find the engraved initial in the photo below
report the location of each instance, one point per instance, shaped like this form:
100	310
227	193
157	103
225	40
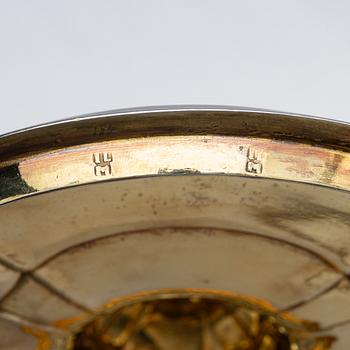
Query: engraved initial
102	162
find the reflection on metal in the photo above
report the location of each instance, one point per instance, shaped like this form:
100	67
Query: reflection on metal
196	323
186	208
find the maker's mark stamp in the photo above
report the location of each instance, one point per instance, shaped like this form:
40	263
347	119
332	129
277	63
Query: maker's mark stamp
254	163
103	163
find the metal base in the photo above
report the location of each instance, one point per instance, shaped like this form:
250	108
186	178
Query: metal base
100	213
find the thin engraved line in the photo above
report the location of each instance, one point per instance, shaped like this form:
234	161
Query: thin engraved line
187	227
342	276
336	325
314	297
46	284
10	200
20	320
12	289
10	265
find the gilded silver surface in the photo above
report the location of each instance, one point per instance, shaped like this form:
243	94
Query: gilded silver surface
185	215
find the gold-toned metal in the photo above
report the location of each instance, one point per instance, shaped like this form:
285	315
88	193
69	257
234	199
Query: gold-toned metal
196	323
185	215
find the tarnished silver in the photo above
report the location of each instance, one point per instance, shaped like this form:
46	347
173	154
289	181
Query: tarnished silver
241	213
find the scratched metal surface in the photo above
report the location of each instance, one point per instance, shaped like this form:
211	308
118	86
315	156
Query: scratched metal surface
251	191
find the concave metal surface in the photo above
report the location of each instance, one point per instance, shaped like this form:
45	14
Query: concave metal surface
105	211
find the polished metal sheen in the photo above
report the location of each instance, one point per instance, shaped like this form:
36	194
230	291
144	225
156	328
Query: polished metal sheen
202	228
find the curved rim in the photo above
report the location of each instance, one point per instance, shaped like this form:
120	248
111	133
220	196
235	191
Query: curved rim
171	108
176	120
